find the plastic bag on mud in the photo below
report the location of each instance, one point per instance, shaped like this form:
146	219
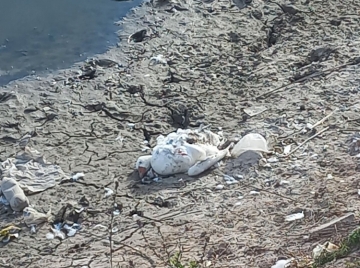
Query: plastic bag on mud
250	142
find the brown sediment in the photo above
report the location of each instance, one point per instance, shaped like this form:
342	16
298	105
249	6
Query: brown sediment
219	60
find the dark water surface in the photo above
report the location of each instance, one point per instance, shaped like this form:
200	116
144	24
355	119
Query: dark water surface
40	35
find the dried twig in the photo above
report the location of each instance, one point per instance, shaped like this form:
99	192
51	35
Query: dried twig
307	140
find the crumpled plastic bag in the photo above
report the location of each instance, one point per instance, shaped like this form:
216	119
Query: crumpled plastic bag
14	194
250	142
33	217
32	172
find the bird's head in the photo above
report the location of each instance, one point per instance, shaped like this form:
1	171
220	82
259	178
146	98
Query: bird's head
143	164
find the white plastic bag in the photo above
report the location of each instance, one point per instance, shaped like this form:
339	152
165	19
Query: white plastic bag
250	142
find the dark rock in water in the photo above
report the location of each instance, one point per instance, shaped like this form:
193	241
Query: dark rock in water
242	163
138	36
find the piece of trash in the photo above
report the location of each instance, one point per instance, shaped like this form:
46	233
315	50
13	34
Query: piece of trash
114	230
33	229
219	187
108	192
358	191
327	246
273	160
3	201
71	230
254	192
255	110
77	176
293	217
116	212
172	153
287	149
250	142
329	176
14	194
33	217
50	236
282	182
131	125
8	232
31	170
158	59
282	263
237	204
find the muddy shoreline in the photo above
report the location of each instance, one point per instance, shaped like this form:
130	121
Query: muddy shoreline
200	63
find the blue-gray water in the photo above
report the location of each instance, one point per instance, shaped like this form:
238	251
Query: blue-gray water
41	35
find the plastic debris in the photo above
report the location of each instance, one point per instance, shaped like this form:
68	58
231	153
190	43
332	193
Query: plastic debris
33	217
72	230
327	246
77	176
14	194
50	236
108	192
219	187
9	232
33	173
250	142
287	149
254	193
158	59
293	217
282	263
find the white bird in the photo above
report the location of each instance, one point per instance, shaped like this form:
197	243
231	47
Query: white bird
174	154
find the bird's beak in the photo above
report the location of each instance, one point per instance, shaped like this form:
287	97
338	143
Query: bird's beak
142	172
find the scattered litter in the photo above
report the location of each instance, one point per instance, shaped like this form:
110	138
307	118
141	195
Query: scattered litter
254	193
327	246
287	149
273	160
108	192
116	212
250	142
131	125
32	171
14	194
72	230
50	236
158	59
358	191
293	217
33	217
219	187
255	110
282	182
114	230
3	200
329	176
33	229
9	232
237	204
172	153
77	176
282	263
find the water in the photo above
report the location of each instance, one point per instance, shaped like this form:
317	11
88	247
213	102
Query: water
40	35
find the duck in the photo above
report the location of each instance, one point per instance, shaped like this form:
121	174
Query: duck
184	151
